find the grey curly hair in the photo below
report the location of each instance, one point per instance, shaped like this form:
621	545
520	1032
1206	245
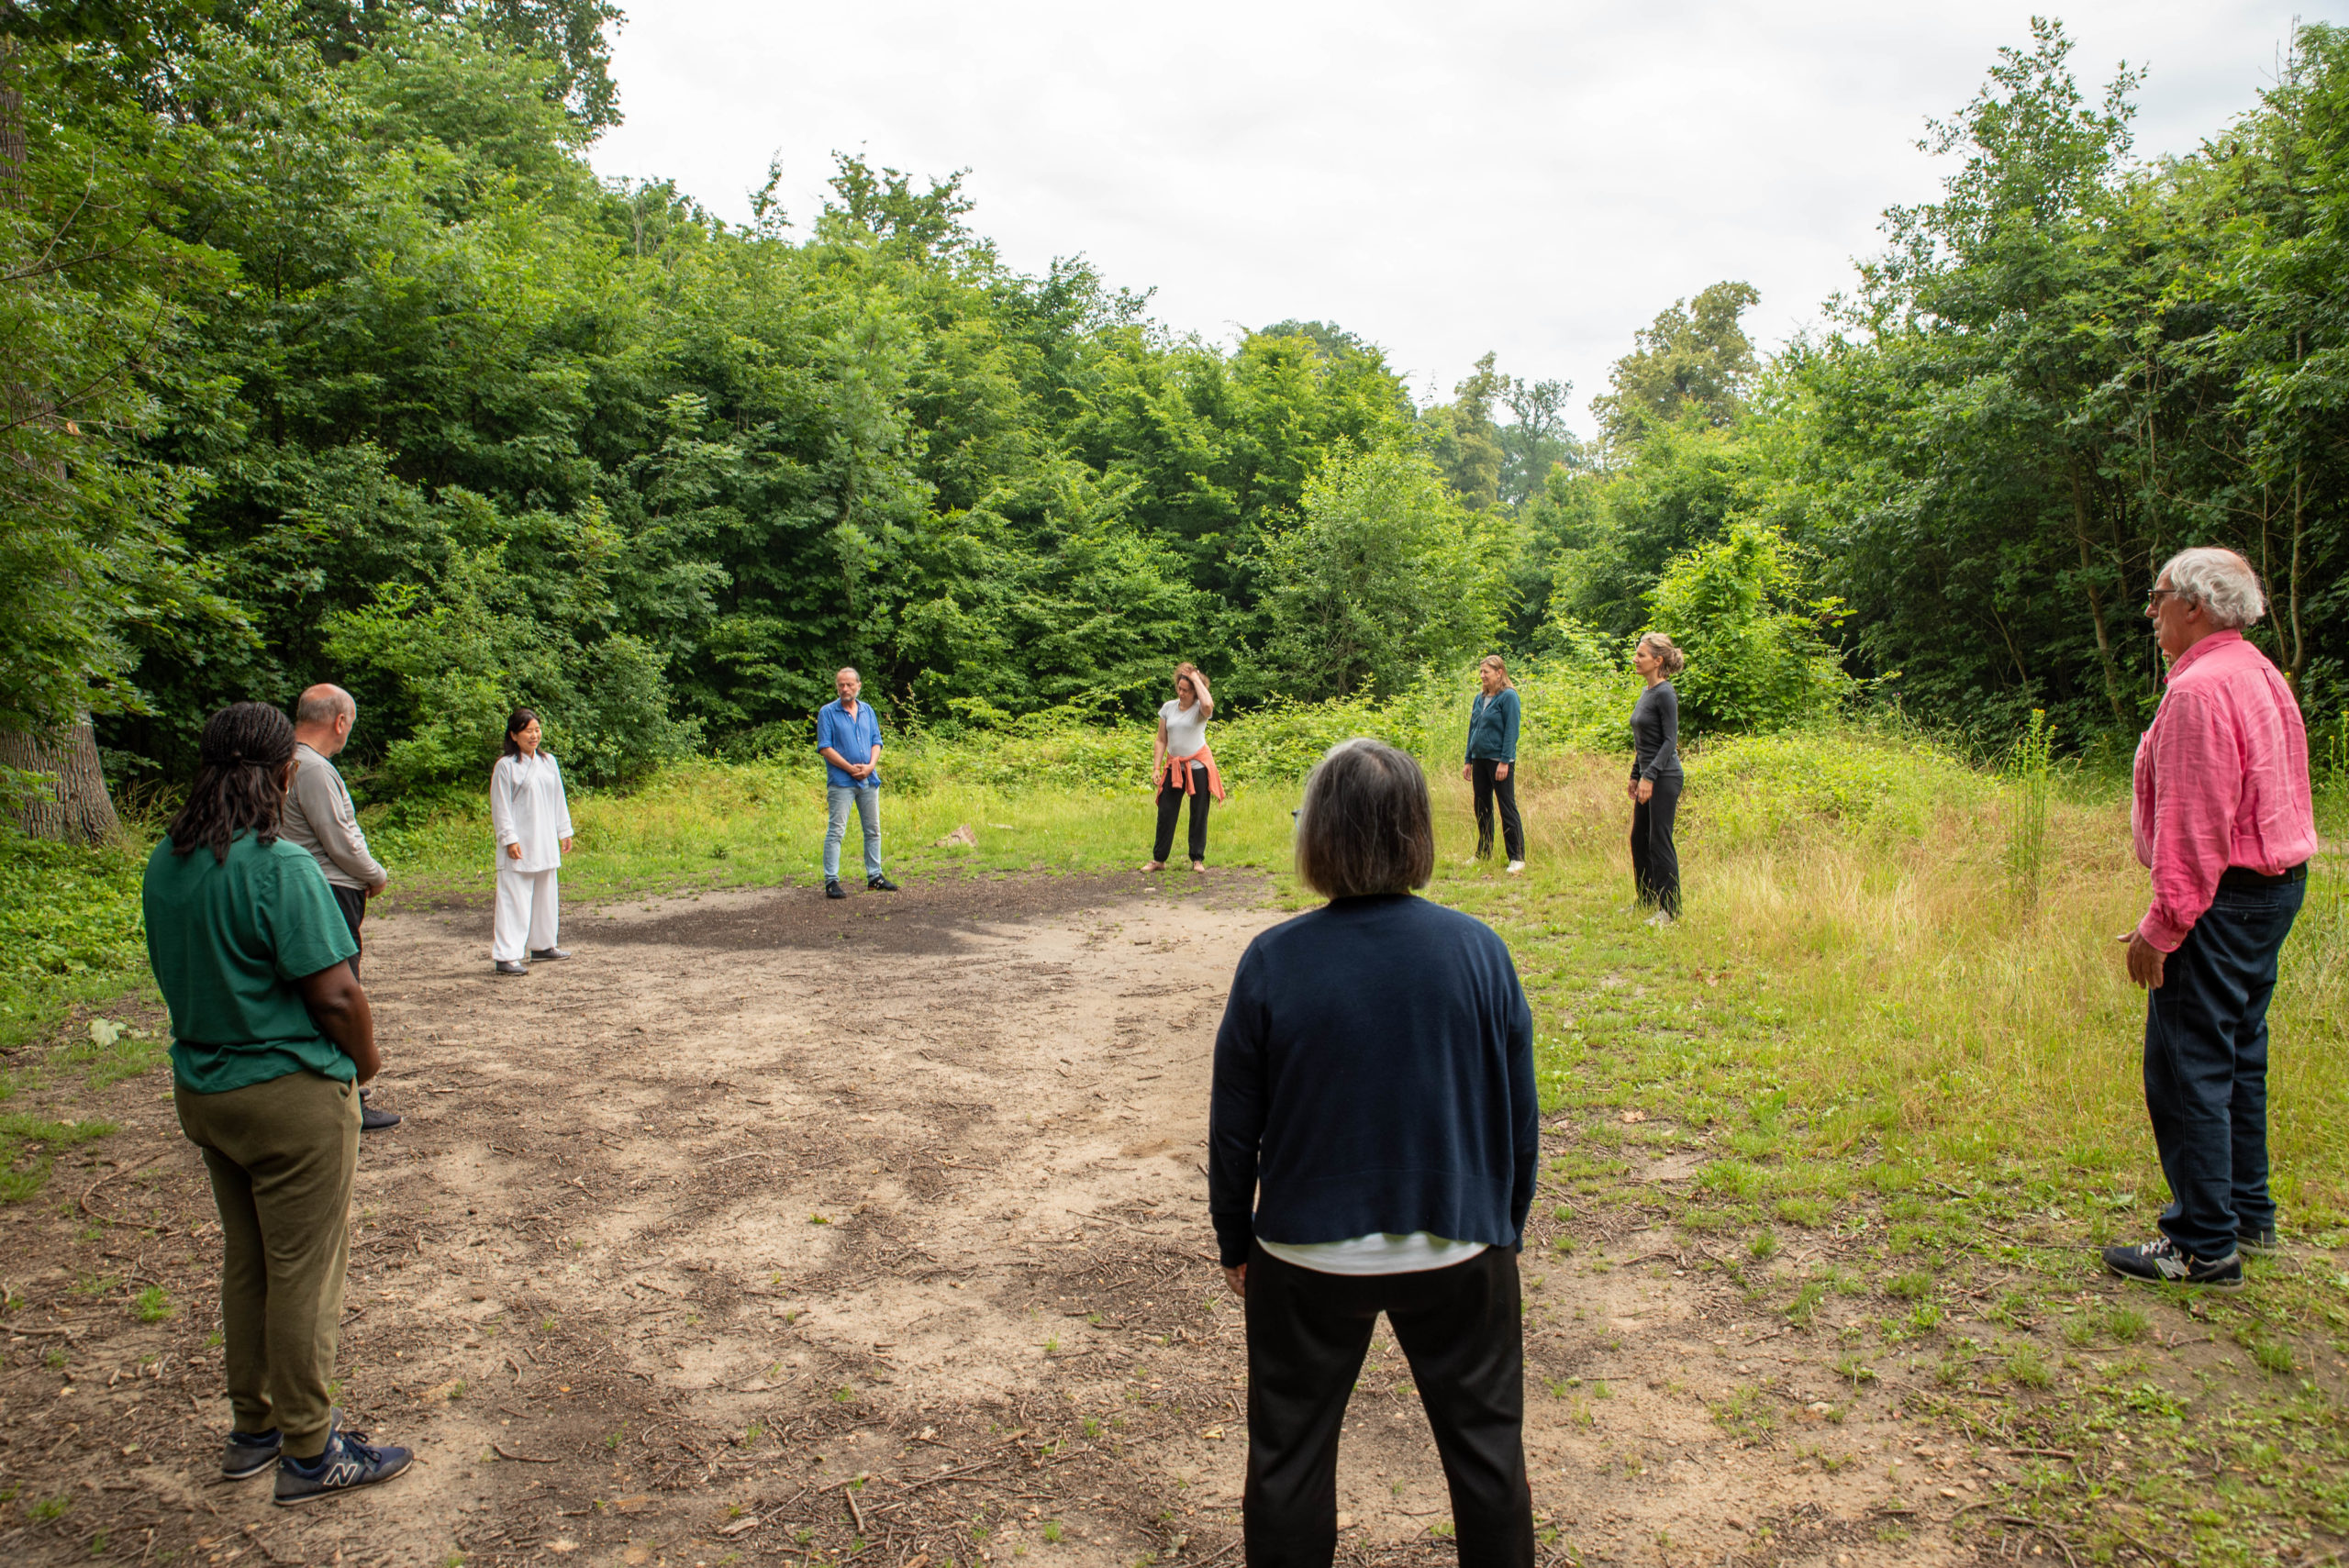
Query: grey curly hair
2219	581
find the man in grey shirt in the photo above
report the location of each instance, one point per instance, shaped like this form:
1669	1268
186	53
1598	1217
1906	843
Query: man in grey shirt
320	818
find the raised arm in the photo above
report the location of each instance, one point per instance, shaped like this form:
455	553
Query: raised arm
1207	697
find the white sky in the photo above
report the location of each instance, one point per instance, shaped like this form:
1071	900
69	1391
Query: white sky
1535	178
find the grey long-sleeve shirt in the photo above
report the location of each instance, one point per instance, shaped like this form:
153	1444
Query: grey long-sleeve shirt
320	818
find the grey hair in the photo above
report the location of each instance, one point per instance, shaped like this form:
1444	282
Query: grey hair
2219	581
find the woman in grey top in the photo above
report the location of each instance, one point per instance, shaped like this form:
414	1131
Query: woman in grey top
1655	778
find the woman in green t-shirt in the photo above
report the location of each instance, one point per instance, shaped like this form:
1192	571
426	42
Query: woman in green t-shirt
271	1034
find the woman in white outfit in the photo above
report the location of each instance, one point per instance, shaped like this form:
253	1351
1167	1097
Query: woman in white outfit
533	823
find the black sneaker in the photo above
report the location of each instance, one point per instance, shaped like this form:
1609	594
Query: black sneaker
508	966
349	1462
549	955
832	889
372	1120
880	885
247	1454
2263	1242
2158	1262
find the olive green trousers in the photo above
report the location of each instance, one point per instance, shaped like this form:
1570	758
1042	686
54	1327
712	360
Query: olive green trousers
282	1155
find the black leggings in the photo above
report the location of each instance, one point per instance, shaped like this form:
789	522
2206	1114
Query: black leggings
1170	807
1489	789
1656	865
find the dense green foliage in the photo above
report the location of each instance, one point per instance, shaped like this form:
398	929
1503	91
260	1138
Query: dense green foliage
330	359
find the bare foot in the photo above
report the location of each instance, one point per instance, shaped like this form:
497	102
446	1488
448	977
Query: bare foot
1154	866
1199	865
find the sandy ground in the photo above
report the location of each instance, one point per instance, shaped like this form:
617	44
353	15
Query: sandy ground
770	1229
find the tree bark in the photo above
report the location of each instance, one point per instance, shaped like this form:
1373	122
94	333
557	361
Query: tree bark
68	802
2096	600
68	799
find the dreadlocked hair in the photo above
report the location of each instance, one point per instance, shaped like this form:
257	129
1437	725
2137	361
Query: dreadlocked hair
239	780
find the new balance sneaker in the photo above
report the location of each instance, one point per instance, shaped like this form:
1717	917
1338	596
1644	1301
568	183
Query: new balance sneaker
349	1462
508	966
374	1121
2263	1242
832	889
549	955
880	885
2158	1262
249	1455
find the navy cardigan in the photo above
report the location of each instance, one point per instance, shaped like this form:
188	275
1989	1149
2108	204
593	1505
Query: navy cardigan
1374	1073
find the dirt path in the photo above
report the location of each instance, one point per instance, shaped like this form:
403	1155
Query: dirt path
758	1194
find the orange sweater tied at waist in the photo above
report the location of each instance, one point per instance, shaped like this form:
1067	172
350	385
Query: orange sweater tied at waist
1177	772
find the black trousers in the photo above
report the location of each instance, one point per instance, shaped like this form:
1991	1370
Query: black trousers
352	902
1489	789
1460	1328
1656	865
1170	807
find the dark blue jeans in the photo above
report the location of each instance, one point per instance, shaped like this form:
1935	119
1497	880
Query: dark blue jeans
2206	1067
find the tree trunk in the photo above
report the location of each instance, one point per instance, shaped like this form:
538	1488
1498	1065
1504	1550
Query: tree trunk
69	802
2096	600
68	799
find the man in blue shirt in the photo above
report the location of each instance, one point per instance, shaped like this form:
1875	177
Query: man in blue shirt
848	735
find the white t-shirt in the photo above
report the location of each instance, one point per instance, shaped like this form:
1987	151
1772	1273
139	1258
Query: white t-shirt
1187	728
1375	1253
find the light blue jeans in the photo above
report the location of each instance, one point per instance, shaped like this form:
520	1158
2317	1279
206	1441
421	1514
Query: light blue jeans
868	811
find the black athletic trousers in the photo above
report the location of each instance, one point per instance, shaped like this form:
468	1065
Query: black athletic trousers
1489	789
1170	807
1460	1328
1656	865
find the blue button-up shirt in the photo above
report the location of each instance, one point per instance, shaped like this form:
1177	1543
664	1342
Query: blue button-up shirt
854	736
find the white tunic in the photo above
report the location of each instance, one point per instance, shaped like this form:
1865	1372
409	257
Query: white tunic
526	807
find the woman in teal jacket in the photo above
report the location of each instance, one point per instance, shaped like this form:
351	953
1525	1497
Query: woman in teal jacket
1492	757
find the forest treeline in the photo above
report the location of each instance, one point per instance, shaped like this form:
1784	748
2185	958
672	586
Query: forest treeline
324	355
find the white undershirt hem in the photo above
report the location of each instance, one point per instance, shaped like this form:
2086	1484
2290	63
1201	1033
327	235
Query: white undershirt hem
1378	1253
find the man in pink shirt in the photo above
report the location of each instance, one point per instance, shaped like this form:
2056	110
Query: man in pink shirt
2223	818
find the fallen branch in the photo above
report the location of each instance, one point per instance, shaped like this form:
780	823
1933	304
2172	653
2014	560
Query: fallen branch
499	1450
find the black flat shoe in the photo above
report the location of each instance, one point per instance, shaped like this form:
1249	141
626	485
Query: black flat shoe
832	889
372	1120
548	955
507	966
880	885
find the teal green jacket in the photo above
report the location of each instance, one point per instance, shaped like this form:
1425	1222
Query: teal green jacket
1492	726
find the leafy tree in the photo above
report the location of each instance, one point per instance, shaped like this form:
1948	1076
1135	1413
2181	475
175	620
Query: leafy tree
1695	353
1386	574
1736	607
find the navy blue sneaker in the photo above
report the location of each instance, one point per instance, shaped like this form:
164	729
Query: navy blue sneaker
247	1454
2158	1262
2260	1242
349	1462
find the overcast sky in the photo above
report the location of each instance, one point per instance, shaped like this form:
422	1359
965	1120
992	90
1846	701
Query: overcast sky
1534	178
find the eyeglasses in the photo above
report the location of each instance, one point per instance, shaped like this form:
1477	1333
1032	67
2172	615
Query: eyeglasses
2154	599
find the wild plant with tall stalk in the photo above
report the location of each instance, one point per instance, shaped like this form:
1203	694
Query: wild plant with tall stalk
2029	769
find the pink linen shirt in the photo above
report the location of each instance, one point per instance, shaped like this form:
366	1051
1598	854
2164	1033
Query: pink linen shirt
2222	779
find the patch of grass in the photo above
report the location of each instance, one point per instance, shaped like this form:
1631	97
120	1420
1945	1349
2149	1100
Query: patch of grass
2126	1325
2027	1368
1809	1213
153	1304
1909	1286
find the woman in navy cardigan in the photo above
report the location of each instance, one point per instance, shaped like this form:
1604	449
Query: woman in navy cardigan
1372	1135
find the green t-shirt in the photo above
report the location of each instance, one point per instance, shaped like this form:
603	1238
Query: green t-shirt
227	939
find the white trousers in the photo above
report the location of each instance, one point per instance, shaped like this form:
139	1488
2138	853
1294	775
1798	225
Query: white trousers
527	918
